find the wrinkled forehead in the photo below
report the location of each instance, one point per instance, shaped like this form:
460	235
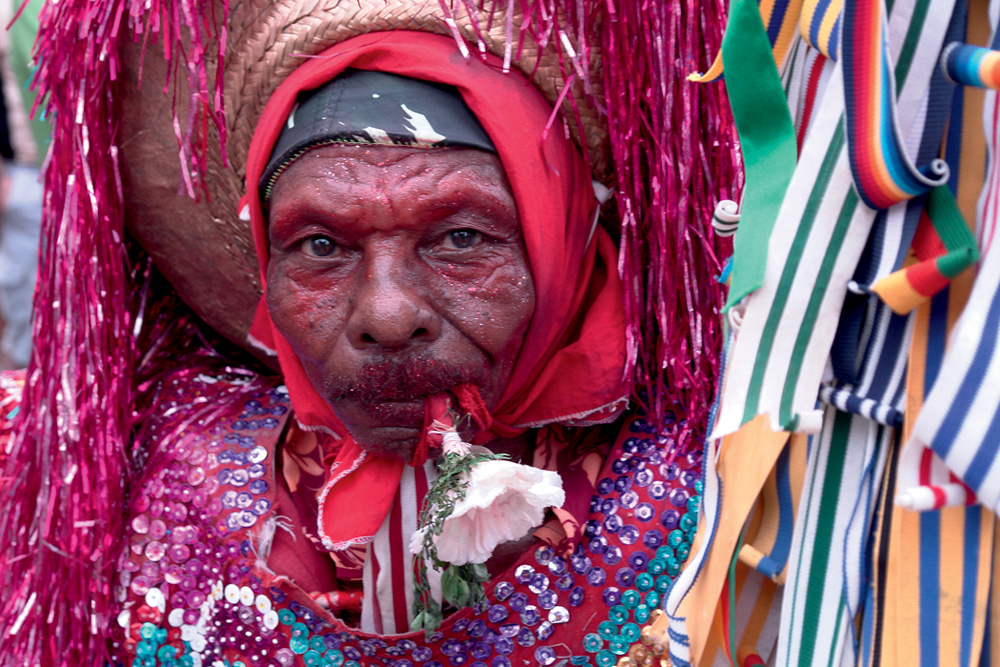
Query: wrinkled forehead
371	108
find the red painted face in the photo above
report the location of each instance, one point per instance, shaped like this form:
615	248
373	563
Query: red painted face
396	273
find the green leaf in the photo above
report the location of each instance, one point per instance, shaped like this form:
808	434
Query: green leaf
450	585
477	572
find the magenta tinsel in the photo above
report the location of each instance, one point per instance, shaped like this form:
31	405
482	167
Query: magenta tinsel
674	152
65	480
674	156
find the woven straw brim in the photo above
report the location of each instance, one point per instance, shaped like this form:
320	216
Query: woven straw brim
266	45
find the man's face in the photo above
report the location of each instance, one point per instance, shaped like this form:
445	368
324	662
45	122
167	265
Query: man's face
396	273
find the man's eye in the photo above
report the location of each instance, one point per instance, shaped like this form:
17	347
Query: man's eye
463	238
319	246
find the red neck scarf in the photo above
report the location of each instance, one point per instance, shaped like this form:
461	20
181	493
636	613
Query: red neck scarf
570	368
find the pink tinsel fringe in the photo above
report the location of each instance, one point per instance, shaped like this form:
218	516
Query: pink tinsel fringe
675	158
64	483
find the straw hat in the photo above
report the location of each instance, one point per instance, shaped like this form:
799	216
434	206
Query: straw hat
201	246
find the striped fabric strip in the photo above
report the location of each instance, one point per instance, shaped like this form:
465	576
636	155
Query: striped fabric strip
744	461
883	172
960	421
934	589
767	551
846	400
779	18
820	25
750	625
943	246
866	323
826	578
814	249
388	571
819	235
967	65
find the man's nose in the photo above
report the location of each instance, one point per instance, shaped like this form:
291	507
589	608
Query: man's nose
390	308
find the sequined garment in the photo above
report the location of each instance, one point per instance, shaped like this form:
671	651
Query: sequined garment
195	588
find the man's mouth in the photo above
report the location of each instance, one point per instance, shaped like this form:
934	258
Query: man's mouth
392	392
386	412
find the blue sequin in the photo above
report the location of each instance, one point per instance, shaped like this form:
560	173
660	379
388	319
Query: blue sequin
503	590
612	555
629	499
518	601
609	506
596	576
625	577
629	534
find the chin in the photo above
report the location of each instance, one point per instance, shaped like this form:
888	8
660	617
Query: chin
398	442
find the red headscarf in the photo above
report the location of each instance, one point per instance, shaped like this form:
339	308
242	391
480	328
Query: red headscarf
570	368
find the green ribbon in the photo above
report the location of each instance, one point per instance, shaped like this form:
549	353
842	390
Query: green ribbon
949	223
767	139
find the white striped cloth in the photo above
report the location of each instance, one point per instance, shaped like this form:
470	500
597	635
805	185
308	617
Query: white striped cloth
960	420
826	566
780	353
387	608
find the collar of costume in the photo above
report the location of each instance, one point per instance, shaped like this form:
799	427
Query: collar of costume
571	366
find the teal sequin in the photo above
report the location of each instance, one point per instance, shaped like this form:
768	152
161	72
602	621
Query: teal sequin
592	643
607	630
642	613
675	538
618	645
298	645
606	658
618	614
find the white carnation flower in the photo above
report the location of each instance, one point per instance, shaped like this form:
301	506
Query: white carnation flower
504	500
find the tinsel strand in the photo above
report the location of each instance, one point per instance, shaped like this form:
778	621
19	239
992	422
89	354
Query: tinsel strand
674	153
65	478
674	157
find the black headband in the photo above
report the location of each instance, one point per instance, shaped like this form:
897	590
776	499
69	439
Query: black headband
364	107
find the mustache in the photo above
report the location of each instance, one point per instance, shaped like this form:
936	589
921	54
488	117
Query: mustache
395	379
